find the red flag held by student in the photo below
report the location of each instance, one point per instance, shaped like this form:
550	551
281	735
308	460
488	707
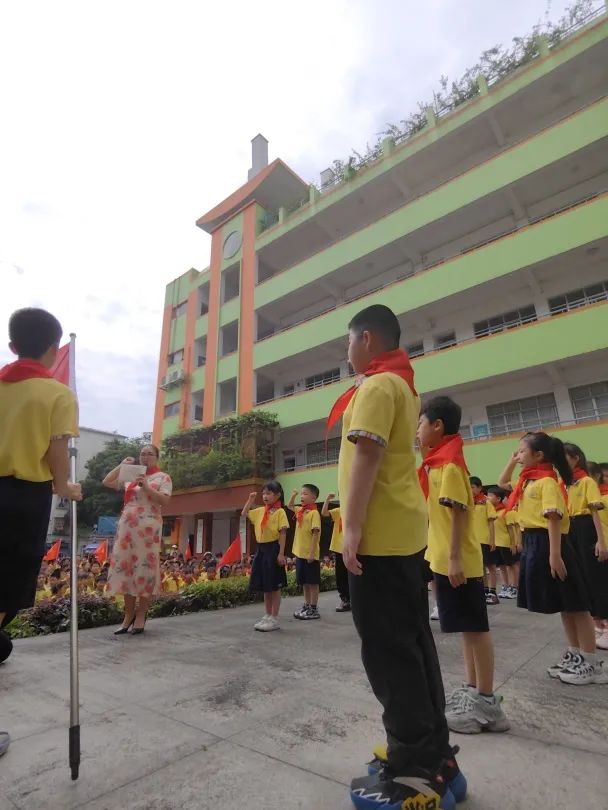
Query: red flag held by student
53	552
101	554
232	554
61	370
188	552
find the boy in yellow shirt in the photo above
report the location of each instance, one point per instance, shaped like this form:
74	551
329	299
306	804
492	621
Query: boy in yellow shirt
506	543
483	528
306	549
456	561
38	415
385	527
337	539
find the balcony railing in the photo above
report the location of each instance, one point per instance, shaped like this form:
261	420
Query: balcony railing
430	265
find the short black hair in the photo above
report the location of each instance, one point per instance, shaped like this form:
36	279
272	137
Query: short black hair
499	491
312	488
445	409
33	331
380	320
475	481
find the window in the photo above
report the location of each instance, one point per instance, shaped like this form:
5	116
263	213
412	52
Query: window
229	338
520	415
289	460
316	452
200	352
180	309
465	432
231	282
203	299
227	397
415	349
324	378
579	298
172	409
445	341
590	401
508	320
288	390
176	357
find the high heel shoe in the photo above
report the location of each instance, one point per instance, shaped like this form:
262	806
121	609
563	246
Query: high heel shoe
122	630
137	631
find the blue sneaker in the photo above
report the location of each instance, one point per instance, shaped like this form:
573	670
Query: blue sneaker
449	769
418	790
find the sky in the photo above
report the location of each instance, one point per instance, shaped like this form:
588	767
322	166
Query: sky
124	121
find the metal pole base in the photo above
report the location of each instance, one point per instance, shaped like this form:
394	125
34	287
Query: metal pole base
74	751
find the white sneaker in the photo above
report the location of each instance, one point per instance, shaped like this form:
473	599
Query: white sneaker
601	642
505	593
262	622
584	673
435	614
272	623
476	713
568	660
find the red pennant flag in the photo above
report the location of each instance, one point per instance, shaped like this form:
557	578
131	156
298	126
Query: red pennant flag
101	555
188	552
61	369
232	554
53	552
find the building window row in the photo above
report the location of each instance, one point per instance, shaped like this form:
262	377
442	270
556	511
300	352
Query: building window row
180	310
175	357
579	298
172	409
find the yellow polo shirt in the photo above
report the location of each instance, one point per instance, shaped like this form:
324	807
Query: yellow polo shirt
539	499
337	538
449	488
583	496
482	514
309	532
603	513
277	521
385	410
32	412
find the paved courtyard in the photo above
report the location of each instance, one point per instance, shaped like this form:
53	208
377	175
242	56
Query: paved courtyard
202	712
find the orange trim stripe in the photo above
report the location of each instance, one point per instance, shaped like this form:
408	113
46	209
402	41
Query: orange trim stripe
247	321
163	364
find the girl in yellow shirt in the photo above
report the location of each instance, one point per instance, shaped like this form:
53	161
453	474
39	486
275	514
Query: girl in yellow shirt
550	579
268	569
587	533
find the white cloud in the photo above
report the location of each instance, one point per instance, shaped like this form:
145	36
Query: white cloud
124	122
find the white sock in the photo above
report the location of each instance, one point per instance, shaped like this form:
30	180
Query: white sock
574	651
590	658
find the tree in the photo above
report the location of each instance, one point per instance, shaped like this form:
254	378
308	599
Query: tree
97	499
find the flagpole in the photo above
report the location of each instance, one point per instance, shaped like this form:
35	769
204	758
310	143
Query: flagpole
74	731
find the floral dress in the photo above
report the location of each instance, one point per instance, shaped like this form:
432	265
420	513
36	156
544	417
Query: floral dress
135	563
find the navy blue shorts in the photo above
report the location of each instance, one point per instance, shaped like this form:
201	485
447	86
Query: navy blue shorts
266	574
538	592
583	537
507	557
490	557
308	573
462	609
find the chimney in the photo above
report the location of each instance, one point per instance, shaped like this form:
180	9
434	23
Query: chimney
259	155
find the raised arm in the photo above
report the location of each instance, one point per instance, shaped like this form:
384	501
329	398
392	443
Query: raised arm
507	474
111	479
325	510
292	500
248	504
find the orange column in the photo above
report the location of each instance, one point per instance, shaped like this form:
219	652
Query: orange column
191	313
159	408
247	319
213	320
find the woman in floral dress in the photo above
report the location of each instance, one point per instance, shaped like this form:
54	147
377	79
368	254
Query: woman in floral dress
135	564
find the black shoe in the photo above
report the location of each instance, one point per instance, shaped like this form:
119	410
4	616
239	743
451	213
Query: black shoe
122	630
343	607
137	631
418	789
449	769
299	614
311	613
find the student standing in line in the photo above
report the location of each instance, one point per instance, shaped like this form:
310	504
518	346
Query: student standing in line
337	540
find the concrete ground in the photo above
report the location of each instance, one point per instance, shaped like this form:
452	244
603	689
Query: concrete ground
202	712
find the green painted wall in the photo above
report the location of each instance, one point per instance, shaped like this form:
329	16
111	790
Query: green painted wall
178	334
569	335
173	394
486	459
201	326
559	141
227	367
504	89
231	311
198	379
170	425
536	243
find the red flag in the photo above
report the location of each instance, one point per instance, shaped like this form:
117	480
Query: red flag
101	555
233	553
188	552
61	369
53	552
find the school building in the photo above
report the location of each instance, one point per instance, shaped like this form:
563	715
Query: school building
486	232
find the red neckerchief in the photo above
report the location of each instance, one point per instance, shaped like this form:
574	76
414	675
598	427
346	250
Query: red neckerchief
479	500
579	473
603	489
534	473
22	370
307	507
130	490
268	509
448	451
501	508
396	362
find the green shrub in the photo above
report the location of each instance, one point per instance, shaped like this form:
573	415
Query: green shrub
97	611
